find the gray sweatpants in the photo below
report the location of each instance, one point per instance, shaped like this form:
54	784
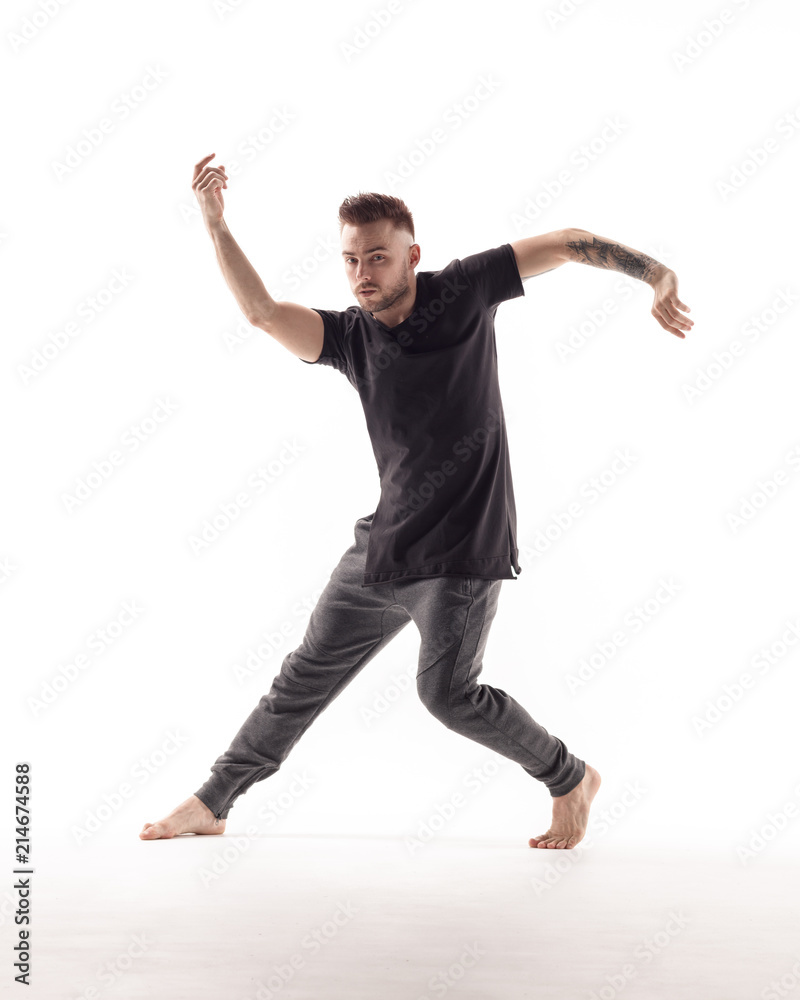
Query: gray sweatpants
349	625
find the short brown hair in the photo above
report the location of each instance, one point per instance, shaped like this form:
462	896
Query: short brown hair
372	207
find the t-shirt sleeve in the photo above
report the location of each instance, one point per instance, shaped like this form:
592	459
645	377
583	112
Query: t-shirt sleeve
333	352
493	275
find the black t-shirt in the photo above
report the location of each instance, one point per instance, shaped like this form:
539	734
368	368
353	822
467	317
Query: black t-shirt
430	393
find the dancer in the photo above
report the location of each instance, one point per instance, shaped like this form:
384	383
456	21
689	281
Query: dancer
419	348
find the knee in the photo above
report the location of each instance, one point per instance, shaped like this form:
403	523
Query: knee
433	697
446	705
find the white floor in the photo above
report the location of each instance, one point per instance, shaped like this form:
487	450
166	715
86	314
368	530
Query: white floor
308	917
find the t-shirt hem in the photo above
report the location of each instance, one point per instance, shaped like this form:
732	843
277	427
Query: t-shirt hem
498	568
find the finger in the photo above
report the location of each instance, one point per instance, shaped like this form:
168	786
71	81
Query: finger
676	305
217	171
677	318
672	329
209	172
676	331
199	166
676	301
674	316
663	320
209	188
210	183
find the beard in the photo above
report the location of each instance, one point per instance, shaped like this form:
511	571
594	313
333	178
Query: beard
380	301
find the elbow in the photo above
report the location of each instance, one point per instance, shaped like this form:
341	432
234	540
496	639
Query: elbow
259	309
258	318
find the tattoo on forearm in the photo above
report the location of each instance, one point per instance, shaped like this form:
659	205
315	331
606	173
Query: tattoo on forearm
613	257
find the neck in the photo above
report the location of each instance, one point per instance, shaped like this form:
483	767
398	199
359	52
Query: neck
400	310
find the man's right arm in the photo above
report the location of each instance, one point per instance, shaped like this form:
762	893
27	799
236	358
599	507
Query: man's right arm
298	328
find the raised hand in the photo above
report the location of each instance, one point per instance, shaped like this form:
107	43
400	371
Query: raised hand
207	184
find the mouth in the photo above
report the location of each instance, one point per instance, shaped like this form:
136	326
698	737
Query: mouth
367	291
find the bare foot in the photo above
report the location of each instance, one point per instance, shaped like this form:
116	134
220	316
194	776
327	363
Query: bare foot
570	814
191	816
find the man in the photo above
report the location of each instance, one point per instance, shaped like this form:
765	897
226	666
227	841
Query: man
420	350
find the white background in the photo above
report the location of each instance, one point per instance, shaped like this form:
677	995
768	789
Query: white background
692	107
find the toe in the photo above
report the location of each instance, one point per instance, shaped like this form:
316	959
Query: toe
152	832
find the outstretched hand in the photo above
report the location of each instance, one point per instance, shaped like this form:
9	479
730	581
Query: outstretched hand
667	306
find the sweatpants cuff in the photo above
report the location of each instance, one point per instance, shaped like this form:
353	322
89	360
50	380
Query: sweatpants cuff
572	780
217	795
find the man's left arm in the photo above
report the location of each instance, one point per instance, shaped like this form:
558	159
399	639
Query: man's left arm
538	254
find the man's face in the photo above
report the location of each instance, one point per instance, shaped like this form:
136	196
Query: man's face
379	258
